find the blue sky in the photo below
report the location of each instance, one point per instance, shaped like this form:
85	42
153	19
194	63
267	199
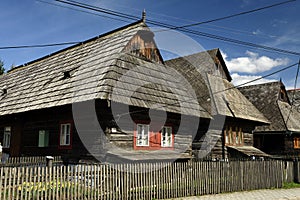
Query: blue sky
32	22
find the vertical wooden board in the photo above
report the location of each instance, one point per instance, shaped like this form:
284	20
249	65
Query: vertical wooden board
80	182
186	177
56	169
26	180
14	177
131	182
89	181
84	185
61	192
127	180
17	183
95	189
9	193
101	176
52	178
69	182
30	188
107	179
177	179
34	181
1	181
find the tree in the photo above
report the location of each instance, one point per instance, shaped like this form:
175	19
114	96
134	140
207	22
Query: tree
2	70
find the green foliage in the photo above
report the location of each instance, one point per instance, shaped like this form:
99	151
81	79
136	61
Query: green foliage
290	185
53	189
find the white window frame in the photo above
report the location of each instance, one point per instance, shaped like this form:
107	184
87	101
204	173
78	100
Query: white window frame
64	134
142	135
166	136
6	137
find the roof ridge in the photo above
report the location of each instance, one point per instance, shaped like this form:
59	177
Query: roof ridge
260	84
78	44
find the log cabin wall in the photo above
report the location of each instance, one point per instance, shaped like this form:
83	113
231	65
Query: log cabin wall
219	150
26	128
272	143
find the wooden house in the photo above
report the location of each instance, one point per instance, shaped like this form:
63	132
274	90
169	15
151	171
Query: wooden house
60	104
294	97
281	137
234	116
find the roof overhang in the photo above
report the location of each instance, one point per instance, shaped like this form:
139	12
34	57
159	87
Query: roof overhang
249	151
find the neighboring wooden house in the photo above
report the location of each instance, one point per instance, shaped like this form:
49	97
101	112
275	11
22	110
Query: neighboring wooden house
281	137
39	99
294	97
234	116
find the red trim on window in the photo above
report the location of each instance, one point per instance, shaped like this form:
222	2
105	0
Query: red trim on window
154	138
71	135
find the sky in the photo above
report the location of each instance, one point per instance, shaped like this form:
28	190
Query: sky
30	22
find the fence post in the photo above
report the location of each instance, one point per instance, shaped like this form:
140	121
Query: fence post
296	172
49	161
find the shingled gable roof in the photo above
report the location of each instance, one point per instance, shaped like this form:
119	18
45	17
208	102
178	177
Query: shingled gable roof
294	96
90	71
213	88
267	98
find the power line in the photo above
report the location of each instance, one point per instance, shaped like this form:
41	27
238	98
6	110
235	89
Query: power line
194	32
295	86
197	33
237	14
78	10
98	9
267	75
39	45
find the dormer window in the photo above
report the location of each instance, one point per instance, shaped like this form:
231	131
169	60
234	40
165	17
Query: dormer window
143	46
67	75
4	91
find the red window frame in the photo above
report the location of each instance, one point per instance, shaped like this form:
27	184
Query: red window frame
154	139
71	135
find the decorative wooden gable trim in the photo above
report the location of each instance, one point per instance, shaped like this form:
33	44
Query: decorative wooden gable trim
283	96
221	66
143	46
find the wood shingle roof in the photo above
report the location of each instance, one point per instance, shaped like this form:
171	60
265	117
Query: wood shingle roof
271	100
211	81
92	70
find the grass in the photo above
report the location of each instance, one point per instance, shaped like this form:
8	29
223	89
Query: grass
290	185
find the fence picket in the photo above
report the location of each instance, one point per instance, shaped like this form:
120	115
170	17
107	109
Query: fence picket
140	180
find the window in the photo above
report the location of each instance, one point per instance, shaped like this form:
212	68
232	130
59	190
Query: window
6	137
65	134
142	136
166	136
43	138
234	136
297	142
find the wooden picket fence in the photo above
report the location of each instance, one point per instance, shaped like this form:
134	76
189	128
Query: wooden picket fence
29	160
139	180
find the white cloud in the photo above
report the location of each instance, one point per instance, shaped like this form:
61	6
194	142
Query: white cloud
253	63
241	79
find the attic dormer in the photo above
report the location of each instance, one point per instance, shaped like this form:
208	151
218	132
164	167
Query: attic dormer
221	69
283	93
143	45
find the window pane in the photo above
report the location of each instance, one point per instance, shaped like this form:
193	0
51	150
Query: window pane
142	138
166	137
6	137
65	134
43	138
